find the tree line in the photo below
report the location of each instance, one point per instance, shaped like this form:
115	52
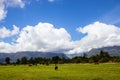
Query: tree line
102	57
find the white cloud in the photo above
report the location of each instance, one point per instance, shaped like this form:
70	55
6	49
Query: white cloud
8	33
3	12
9	3
98	35
14	3
6	47
45	37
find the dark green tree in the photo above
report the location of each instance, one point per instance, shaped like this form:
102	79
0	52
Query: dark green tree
85	58
63	59
31	60
55	59
103	60
94	58
7	60
24	60
116	59
18	61
104	56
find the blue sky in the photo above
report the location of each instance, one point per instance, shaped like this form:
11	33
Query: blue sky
68	14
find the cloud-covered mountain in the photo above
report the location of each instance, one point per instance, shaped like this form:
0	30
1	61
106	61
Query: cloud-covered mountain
112	50
29	54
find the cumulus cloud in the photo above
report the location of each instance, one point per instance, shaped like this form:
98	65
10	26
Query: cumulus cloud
97	35
4	32
46	38
43	37
6	47
9	3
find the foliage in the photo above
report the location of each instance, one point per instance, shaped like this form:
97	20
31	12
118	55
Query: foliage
24	60
18	61
55	59
102	57
7	60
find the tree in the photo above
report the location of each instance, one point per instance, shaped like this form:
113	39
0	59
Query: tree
77	59
63	59
94	58
55	59
85	58
23	60
31	60
18	61
105	59
7	60
104	56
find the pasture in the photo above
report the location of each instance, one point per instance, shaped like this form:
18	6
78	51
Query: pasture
64	72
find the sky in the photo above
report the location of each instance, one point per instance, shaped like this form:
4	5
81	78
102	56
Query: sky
65	26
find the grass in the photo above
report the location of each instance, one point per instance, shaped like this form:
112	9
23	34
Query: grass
65	72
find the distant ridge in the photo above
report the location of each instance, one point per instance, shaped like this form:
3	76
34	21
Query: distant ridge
29	54
112	50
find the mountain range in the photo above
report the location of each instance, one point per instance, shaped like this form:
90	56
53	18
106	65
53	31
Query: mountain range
29	54
112	50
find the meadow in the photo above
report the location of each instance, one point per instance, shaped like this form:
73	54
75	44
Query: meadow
110	71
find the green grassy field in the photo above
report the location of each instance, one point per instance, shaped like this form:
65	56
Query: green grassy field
65	72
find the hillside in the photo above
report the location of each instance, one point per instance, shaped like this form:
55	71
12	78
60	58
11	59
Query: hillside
28	54
112	50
